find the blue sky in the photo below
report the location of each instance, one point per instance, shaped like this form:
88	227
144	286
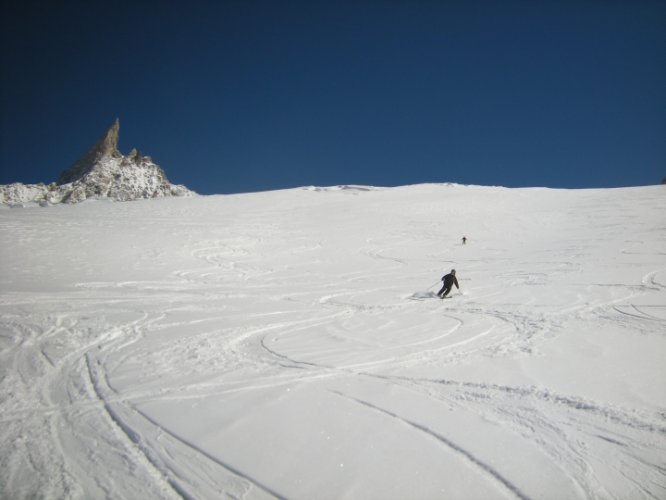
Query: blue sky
248	96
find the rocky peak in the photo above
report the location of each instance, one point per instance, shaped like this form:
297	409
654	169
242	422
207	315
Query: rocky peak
103	172
106	146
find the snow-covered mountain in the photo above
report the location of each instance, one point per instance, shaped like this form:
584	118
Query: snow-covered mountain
289	344
103	172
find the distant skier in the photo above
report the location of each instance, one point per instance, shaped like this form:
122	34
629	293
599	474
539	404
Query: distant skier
449	280
464	239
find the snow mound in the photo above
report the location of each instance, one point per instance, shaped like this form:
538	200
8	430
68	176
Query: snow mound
350	188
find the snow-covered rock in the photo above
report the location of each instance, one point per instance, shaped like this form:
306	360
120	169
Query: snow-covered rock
17	193
103	172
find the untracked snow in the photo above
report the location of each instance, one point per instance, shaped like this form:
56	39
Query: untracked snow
289	344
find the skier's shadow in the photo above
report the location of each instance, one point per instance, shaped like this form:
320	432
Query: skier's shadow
423	296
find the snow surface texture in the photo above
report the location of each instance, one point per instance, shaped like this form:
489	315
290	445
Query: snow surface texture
289	344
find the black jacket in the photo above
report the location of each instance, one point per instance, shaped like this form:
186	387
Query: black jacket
450	280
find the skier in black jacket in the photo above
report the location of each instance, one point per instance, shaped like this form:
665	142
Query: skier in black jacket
449	280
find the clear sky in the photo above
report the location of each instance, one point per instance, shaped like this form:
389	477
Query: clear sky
238	96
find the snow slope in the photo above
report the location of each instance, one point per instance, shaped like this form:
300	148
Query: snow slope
288	344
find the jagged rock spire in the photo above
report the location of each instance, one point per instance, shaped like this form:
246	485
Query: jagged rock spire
103	172
105	147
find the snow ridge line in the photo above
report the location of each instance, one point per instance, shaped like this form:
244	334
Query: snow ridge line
450	444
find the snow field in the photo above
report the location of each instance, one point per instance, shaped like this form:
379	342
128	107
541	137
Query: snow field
288	344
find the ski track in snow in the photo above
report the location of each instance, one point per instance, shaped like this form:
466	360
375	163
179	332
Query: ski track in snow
154	365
